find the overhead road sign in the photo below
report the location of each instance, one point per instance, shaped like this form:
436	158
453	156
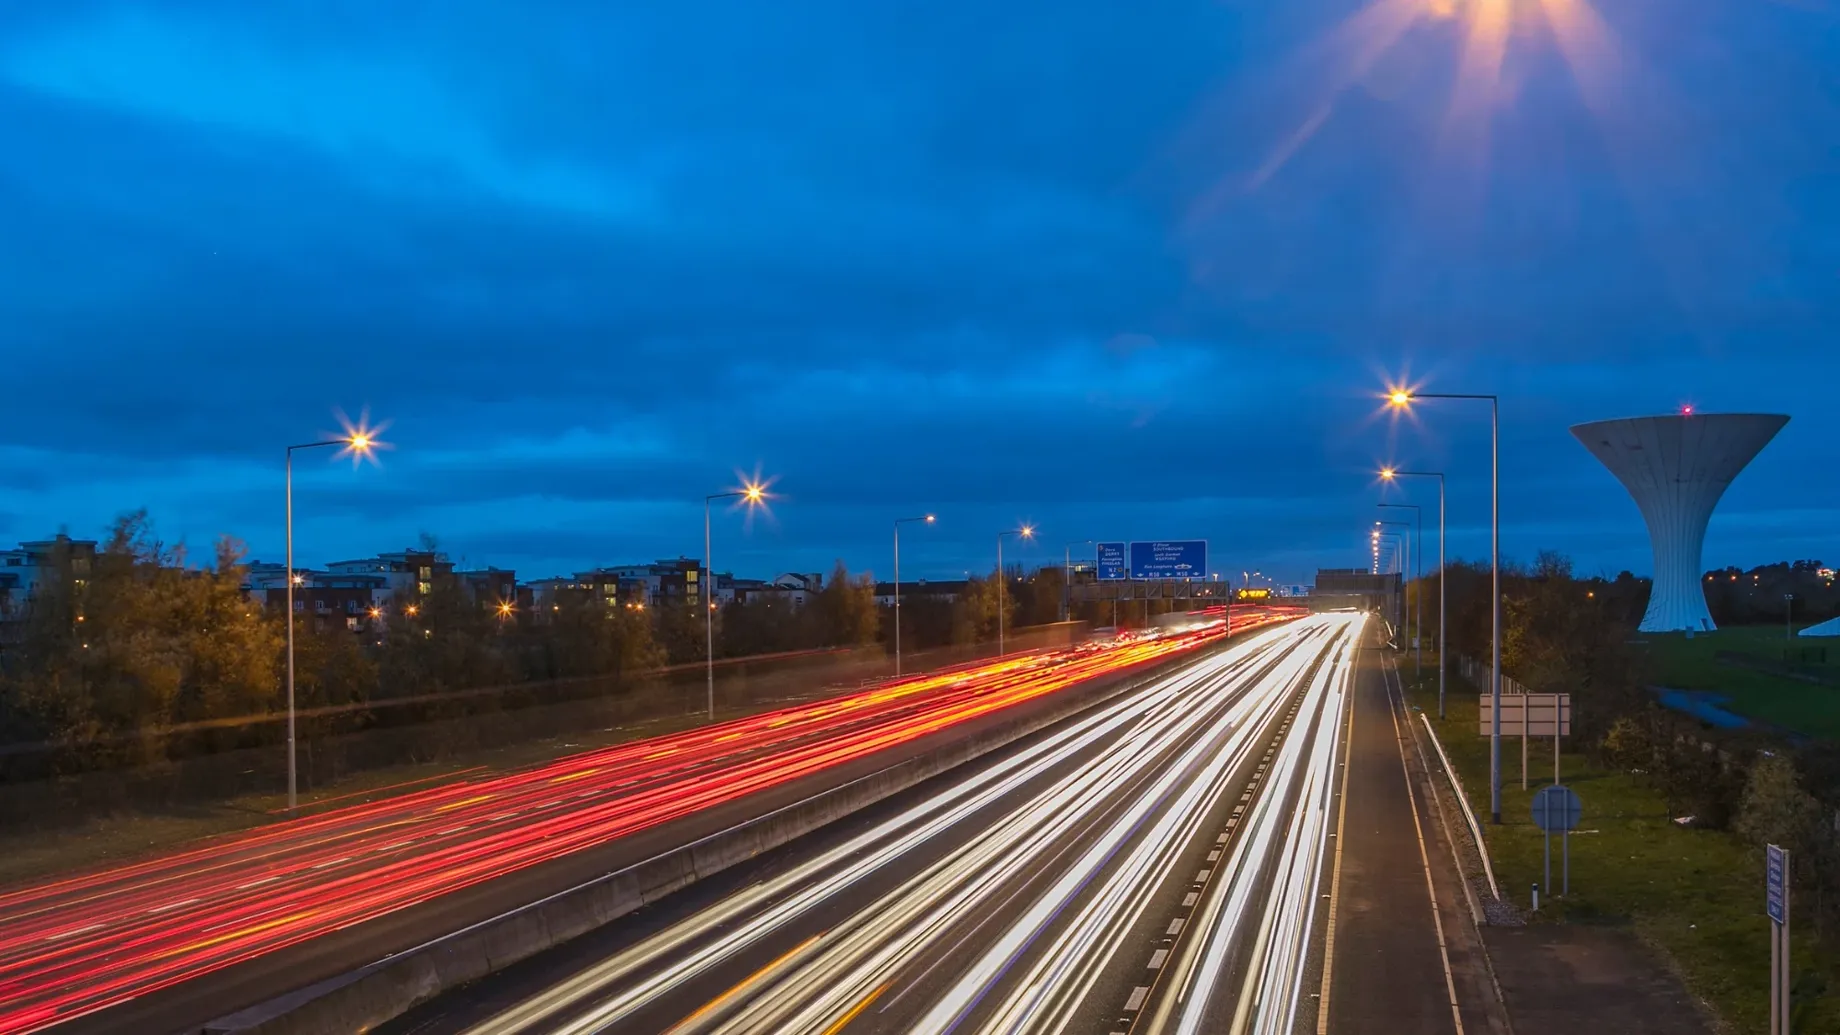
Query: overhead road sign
1174	559
1110	562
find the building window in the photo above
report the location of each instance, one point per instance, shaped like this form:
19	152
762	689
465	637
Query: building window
351	624
422	587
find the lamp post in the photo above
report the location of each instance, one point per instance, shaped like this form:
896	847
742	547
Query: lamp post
1067	577
1024	532
1403	398
1390	474
924	519
1788	623
359	442
1397	561
1418	576
752	494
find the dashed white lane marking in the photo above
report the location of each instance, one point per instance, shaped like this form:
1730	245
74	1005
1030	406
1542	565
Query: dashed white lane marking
1138	995
1158	958
1175	927
1189	900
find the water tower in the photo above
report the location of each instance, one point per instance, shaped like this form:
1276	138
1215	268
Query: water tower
1676	467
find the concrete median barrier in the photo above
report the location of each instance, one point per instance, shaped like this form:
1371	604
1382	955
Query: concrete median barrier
363	998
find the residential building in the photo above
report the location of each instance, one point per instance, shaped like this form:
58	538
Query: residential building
30	567
921	589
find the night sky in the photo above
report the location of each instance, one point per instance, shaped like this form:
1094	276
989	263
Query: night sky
1121	270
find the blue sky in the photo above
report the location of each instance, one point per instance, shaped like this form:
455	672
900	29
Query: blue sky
1123	271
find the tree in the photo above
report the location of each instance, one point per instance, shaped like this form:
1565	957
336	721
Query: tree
845	611
974	613
1775	810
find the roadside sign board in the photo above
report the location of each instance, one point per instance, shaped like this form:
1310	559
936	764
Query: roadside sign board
1776	878
1110	562
1557	809
1174	559
1528	714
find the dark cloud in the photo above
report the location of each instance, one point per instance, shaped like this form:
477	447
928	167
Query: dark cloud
1123	276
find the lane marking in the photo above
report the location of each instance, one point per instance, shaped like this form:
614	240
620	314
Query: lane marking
746	981
1424	856
1136	1001
1335	879
854	1010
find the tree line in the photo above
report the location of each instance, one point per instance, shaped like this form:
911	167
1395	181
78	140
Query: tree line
148	655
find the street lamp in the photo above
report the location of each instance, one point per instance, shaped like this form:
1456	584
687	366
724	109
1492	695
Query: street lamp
753	494
1395	558
1788	611
1418	576
1390	474
1067	577
1403	398
359	443
1024	532
926	519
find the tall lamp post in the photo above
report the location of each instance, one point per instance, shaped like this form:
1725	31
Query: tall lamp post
359	442
924	519
1788	620
1391	474
1067	578
752	494
1418	576
1403	398
1024	532
1396	560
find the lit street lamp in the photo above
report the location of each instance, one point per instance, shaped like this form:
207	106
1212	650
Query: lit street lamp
1403	398
752	494
359	442
1024	532
898	522
1390	474
1067	576
1418	576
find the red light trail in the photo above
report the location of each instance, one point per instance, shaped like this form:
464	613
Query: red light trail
72	946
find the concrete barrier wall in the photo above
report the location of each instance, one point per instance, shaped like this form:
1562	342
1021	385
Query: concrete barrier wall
371	995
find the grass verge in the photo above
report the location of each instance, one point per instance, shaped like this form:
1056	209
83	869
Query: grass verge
1691	664
1695	894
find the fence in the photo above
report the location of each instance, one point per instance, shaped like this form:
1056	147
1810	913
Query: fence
1478	675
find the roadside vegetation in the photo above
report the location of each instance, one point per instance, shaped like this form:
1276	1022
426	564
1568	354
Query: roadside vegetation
1676	812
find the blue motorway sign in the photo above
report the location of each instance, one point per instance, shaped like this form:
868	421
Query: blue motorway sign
1178	559
1110	561
1776	878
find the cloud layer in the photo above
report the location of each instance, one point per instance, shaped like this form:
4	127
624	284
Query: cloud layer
1124	277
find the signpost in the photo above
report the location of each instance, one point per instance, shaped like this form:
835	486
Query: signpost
1535	715
1557	810
1776	904
1176	559
1110	563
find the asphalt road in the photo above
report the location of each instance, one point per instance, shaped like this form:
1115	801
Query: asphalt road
184	937
1407	957
1151	864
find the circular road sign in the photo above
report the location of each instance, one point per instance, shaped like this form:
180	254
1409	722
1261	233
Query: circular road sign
1557	809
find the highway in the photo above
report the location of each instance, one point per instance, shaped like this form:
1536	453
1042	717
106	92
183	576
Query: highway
1150	865
95	941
